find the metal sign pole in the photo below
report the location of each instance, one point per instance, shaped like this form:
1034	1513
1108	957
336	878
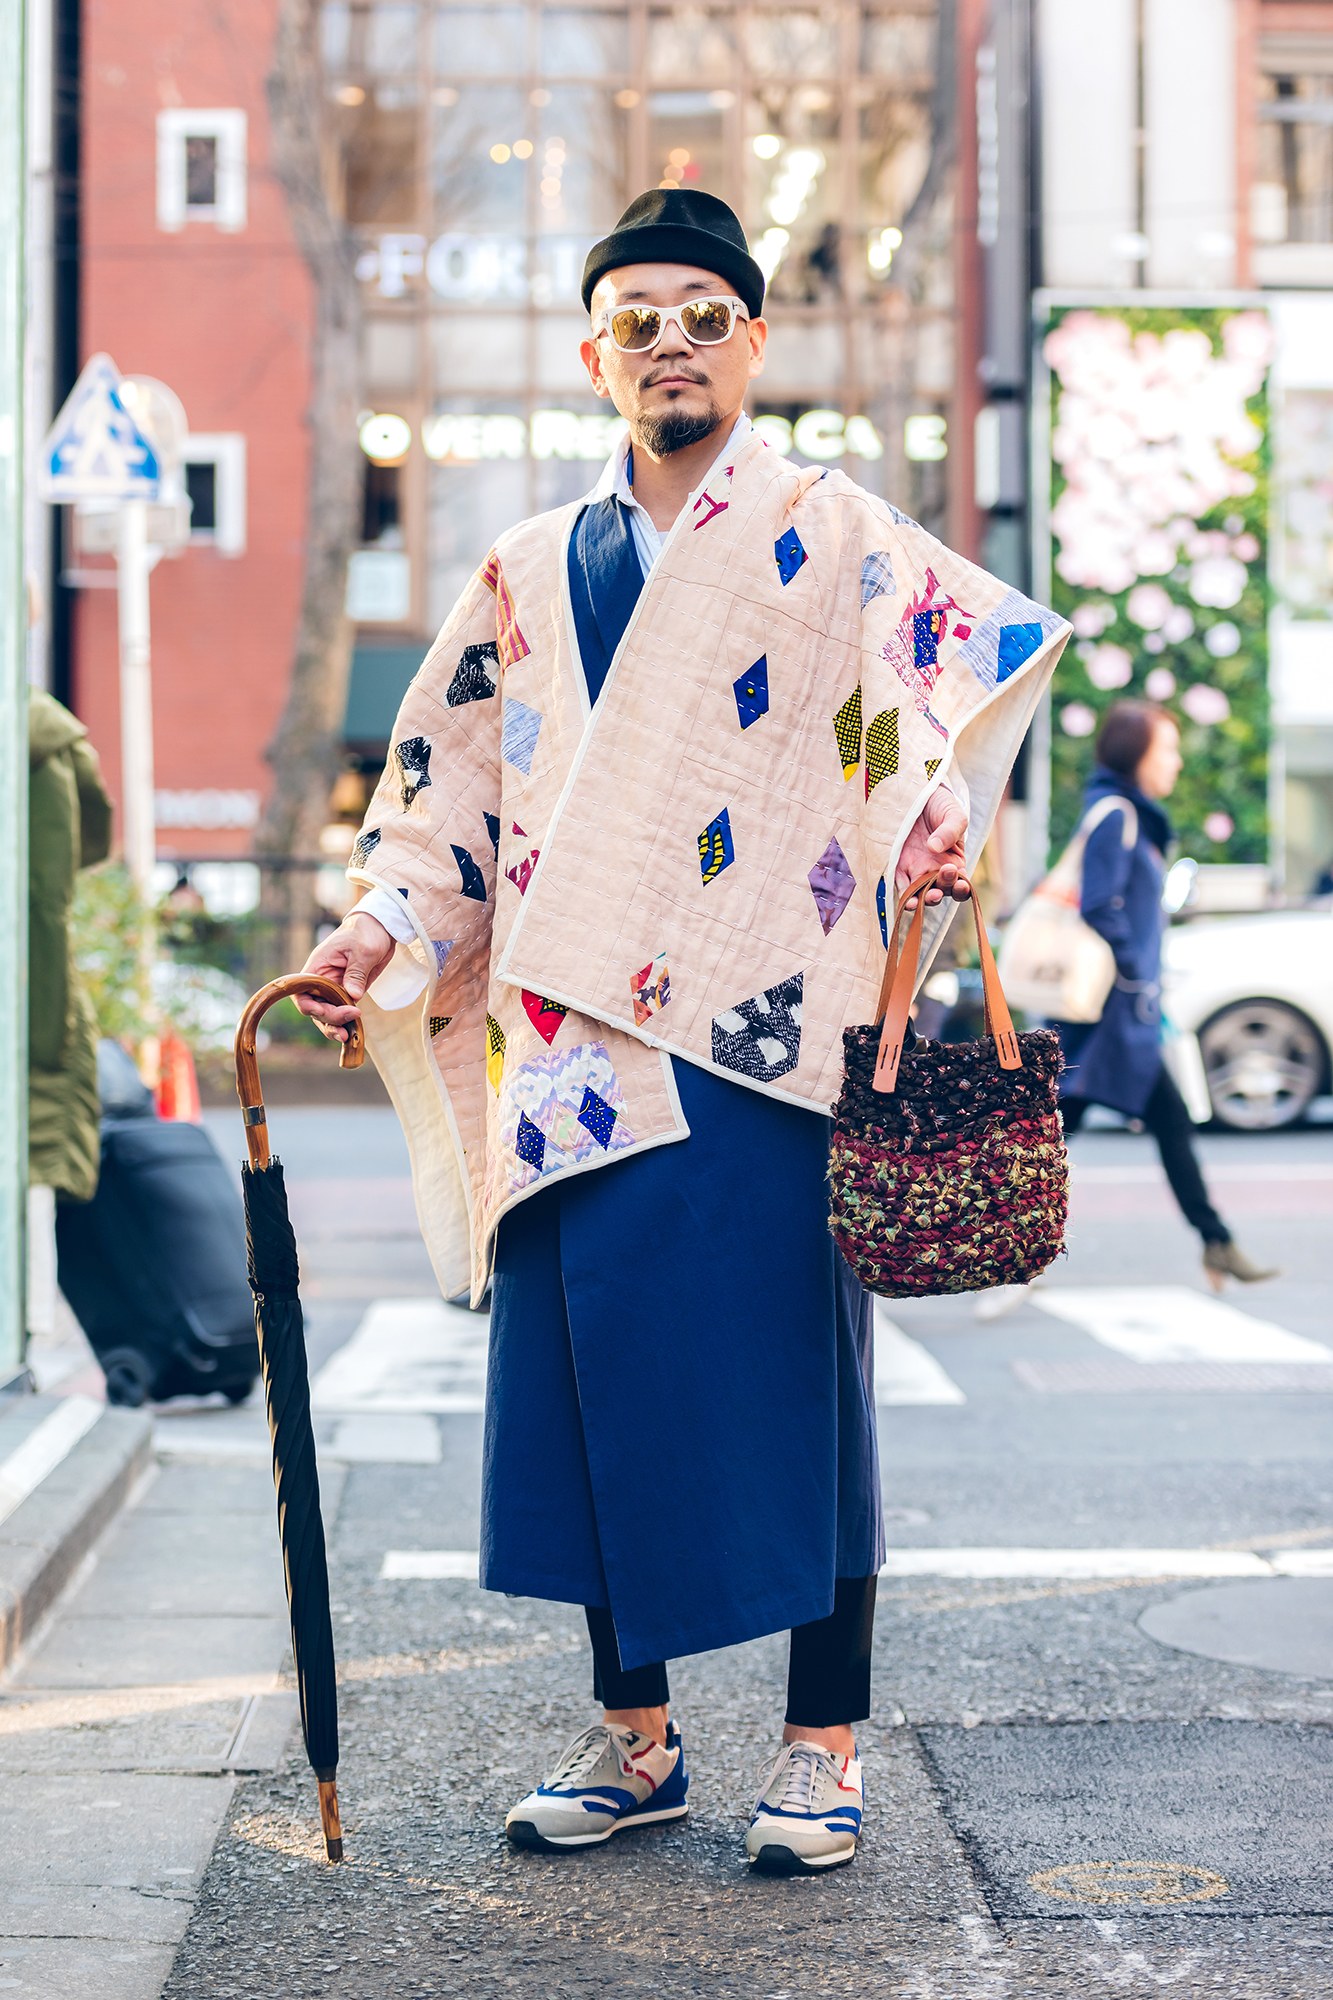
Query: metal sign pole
133	567
13	710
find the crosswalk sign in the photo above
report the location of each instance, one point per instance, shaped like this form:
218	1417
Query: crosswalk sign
94	450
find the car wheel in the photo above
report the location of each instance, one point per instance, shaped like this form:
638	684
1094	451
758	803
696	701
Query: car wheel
1264	1063
129	1378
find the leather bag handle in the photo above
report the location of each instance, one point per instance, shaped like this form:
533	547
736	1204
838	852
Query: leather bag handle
899	984
248	1089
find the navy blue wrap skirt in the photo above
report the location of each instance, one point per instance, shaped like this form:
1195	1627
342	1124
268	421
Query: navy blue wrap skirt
680	1415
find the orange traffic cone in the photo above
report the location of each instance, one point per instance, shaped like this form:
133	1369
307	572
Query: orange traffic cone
178	1085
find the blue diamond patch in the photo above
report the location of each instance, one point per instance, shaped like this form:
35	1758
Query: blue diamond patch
530	1143
597	1117
790	554
751	692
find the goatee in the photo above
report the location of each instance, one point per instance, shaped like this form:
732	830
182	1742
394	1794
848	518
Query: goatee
661	436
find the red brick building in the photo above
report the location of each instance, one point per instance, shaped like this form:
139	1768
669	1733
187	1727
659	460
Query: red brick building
190	273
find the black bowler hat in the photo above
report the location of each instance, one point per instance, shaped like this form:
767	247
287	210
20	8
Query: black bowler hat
679	226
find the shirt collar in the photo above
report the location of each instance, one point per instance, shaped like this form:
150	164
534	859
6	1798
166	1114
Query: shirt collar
615	482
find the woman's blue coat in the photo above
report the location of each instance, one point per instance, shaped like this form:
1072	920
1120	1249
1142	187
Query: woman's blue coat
680	1417
1116	1061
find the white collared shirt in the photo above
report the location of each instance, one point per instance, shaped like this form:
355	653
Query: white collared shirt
617	481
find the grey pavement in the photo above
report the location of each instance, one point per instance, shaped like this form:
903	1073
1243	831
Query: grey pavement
1077	1786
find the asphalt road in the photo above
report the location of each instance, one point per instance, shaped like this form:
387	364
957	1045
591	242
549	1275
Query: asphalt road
1110	1776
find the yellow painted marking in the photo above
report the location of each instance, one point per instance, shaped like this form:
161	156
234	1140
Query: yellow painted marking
1153	1882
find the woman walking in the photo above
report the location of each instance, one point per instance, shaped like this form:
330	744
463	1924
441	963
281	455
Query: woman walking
1117	1061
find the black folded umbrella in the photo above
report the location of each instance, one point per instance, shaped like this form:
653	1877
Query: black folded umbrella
275	1280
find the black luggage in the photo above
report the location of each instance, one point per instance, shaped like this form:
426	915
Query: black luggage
154	1266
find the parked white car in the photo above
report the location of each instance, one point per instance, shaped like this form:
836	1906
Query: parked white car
1258	992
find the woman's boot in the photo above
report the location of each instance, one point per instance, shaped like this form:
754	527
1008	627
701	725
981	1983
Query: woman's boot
1227	1260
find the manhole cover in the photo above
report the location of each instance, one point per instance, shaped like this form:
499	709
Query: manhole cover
1156	1883
1283	1623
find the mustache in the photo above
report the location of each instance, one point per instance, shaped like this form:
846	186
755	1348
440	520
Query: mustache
673	368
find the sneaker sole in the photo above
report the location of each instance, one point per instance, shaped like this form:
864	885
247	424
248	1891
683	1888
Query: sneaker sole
774	1859
526	1834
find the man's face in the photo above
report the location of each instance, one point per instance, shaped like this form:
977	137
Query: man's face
674	393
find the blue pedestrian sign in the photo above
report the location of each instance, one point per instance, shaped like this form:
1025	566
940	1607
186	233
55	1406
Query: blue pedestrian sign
94	450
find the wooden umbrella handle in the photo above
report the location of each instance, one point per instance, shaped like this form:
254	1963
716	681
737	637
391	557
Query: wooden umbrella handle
248	1088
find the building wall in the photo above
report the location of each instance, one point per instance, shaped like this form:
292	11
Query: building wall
223	317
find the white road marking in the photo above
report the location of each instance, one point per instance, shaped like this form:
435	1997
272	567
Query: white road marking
974	1564
429	1566
50	1441
905	1371
375	1437
990	1564
415	1355
1174	1323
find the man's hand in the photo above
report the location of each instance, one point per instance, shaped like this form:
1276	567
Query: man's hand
354	954
936	841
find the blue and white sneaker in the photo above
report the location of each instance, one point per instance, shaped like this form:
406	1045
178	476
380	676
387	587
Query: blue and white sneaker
606	1780
808	1813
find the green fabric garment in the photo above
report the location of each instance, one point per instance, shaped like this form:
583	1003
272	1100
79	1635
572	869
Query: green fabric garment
69	826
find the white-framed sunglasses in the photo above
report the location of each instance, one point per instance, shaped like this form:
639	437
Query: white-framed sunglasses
705	322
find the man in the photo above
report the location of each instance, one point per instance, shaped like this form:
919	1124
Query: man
631	859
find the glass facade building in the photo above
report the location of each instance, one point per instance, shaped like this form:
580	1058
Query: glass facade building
484	148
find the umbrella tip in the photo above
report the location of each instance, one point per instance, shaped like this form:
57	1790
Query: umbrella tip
329	1818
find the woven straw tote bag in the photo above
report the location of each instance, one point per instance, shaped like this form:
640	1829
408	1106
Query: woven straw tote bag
947	1171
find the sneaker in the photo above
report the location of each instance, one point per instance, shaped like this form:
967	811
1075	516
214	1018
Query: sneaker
607	1779
808	1813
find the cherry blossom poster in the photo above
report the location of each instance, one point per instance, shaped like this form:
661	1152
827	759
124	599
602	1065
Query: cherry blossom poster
1159	526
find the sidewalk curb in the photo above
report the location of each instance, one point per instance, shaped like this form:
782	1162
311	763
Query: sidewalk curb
45	1539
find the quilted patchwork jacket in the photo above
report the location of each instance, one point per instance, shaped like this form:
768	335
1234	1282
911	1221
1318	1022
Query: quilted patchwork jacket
698	866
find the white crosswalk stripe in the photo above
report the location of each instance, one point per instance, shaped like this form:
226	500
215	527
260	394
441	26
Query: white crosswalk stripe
416	1355
1165	1323
905	1371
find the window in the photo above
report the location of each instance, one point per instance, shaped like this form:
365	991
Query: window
1291	194
201	168
214	470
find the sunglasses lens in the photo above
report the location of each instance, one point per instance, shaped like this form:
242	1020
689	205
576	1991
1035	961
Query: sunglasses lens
707	320
636	327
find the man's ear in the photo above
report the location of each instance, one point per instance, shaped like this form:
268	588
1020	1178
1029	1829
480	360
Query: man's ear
592	361
758	330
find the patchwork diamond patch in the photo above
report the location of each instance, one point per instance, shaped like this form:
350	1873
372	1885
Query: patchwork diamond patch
553	1093
882	910
650	989
530	1142
876	577
365	846
716	851
789	552
495	1052
1006	640
847	730
881	749
476	676
751	692
512	646
412	757
545	1015
520	872
518	735
442	948
831	884
761	1038
933	765
493	829
1017	644
438	1023
474	882
597	1117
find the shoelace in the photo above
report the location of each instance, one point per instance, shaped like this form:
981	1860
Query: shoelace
584	1754
802	1780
